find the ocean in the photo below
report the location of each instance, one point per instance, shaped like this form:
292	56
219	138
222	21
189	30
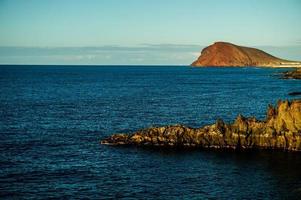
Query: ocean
52	119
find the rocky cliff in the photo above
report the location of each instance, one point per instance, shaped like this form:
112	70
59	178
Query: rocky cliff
280	130
225	54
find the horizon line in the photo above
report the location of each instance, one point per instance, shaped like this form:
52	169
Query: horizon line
100	65
147	45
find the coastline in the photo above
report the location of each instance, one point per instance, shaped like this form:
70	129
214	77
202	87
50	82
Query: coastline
293	66
280	130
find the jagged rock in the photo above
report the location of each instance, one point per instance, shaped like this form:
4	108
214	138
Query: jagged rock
280	130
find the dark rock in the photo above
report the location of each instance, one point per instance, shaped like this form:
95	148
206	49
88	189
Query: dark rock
280	130
294	93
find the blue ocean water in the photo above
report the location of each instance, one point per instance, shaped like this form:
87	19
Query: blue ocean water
53	117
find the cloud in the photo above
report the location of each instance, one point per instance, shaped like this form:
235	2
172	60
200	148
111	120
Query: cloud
139	54
196	54
80	50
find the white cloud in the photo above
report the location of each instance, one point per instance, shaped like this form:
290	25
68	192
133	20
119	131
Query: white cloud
140	54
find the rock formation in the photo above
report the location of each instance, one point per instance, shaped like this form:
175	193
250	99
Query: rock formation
280	130
225	54
294	93
295	74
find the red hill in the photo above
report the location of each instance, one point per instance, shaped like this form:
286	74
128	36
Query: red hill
225	54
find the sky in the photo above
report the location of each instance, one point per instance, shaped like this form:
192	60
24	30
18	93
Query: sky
142	31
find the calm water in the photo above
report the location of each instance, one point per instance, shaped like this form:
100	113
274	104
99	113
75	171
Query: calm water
52	118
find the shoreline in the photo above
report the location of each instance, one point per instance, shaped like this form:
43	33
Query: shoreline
280	130
295	66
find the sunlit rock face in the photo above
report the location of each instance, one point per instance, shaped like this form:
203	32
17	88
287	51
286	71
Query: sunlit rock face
224	54
281	130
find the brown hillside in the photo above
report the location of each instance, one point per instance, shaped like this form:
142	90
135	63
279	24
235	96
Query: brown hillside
226	54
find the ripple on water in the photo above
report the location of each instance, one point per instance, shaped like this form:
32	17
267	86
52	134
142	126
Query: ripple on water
53	117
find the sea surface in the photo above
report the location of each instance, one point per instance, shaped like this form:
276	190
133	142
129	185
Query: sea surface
53	117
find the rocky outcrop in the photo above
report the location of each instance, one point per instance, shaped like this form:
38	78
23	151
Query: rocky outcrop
223	54
295	74
294	93
280	130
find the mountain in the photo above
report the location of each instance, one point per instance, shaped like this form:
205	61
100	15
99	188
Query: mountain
224	54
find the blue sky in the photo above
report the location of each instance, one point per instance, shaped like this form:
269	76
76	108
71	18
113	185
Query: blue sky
142	31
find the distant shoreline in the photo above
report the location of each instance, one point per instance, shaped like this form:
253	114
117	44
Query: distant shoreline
153	65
